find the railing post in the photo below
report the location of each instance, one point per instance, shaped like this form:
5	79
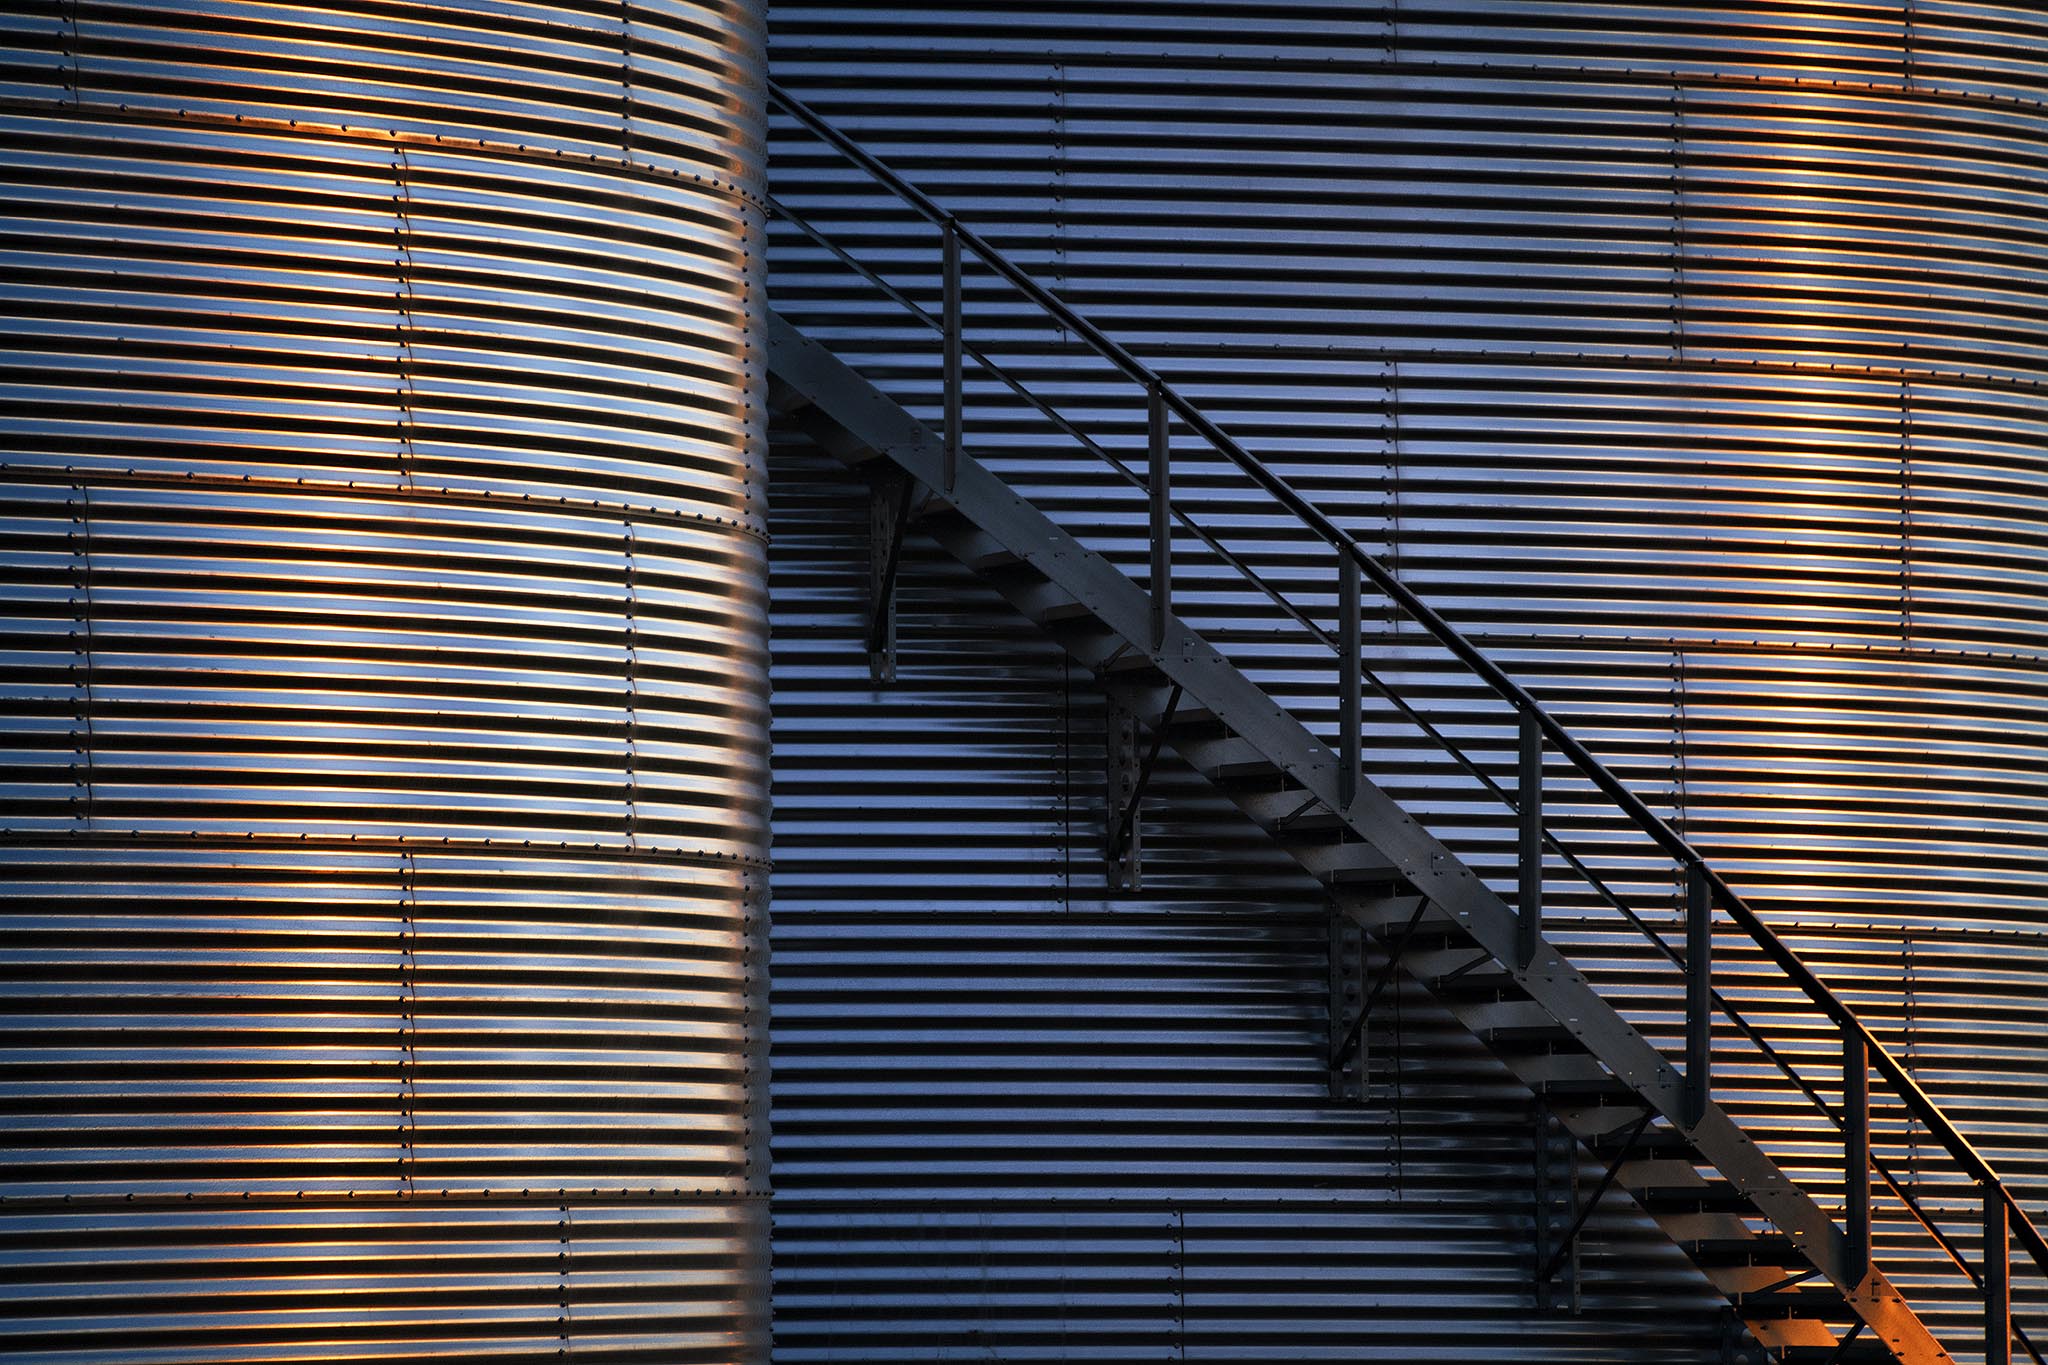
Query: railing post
1997	1279
950	463
1529	843
1159	458
1350	678
1856	1153
1699	1000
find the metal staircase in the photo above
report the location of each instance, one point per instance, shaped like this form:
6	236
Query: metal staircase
1803	1284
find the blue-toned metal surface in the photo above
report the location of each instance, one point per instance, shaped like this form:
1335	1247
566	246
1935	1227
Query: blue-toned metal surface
1017	1116
385	764
1684	354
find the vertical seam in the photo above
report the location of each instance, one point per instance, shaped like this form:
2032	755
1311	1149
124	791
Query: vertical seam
632	665
86	698
408	1022
1905	514
1678	282
71	67
402	296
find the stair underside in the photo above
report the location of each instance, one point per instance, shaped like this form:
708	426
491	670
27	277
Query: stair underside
1705	1185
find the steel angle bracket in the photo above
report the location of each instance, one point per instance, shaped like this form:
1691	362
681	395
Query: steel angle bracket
1351	998
1123	832
1129	763
1346	1009
1565	1254
889	494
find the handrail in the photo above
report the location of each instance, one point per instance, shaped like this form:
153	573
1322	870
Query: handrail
1921	1105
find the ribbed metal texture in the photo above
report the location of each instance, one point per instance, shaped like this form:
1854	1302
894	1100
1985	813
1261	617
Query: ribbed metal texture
1018	1118
385	771
1686	355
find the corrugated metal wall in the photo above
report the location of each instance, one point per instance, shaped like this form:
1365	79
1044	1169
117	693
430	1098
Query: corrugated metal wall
1018	1119
1687	355
385	830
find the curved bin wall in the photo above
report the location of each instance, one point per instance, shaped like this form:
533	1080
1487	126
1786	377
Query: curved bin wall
385	830
1687	355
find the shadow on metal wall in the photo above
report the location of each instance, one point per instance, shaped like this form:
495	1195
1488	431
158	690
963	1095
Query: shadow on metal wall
1018	1111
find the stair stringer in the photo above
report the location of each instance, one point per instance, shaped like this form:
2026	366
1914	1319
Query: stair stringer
853	420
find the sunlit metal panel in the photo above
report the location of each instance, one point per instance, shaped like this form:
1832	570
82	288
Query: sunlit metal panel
385	768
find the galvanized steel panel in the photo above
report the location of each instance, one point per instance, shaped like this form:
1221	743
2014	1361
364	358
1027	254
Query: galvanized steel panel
385	760
1687	356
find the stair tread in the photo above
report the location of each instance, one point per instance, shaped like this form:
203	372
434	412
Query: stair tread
1441	935
1315	822
1862	1351
1488	978
1524	1036
1132	666
1249	772
1654	1142
994	559
1343	864
1815	1298
1282	807
1713	1197
1065	610
1585	1088
1770	1248
1191	715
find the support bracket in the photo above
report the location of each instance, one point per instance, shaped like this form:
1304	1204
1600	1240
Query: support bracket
1548	1272
1123	840
1352	1035
1848	1339
1128	774
888	513
1346	1008
1546	1131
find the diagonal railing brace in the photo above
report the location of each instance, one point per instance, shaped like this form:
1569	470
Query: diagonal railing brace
1127	818
1341	1050
1593	1201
